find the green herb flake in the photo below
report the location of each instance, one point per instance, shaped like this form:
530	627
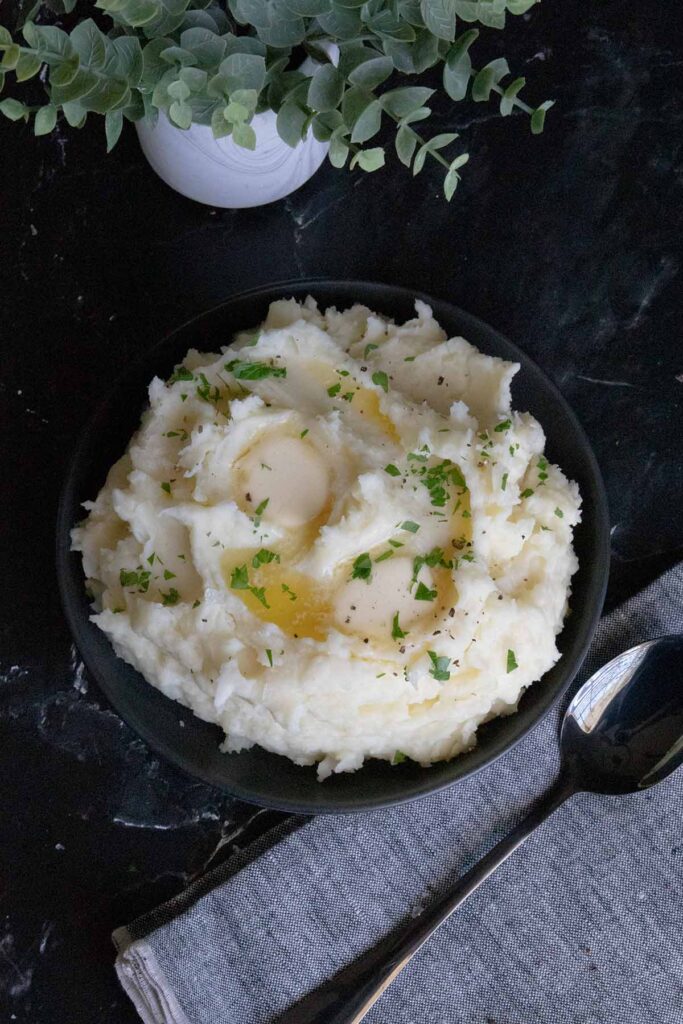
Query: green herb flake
410	526
396	543
527	492
260	595
409	359
362	568
260	509
180	373
135	578
381	380
263	557
501	427
168	575
559	513
334	390
396	631
150	558
287	590
440	669
170	598
196	604
504	481
387	554
239	578
423	593
392	470
166	487
511	661
269	656
303	432
368	349
254	371
399	757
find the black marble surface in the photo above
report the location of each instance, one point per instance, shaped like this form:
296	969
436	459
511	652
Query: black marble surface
569	243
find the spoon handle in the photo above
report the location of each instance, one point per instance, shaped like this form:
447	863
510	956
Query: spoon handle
347	997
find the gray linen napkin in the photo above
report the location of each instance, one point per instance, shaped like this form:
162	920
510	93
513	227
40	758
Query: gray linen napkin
584	924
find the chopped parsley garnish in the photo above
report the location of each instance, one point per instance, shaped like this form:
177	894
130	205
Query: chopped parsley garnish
362	568
180	373
502	426
399	757
466	514
269	656
396	631
392	470
381	380
135	578
434	558
387	554
409	359
166	487
527	492
150	558
410	526
423	593
334	390
440	666
438	478
254	371
511	661
264	556
172	597
196	604
303	432
348	396
368	349
287	590
504	482
559	513
396	543
260	509
260	595
239	578
206	392
168	575
542	469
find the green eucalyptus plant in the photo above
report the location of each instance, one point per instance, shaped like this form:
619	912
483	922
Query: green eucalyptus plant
203	62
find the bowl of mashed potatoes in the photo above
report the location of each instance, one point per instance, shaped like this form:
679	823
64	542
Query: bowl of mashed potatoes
342	546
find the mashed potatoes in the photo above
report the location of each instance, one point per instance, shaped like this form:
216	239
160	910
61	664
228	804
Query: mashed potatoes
336	540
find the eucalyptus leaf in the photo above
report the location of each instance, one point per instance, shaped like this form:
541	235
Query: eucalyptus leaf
369	122
244	135
369	159
371	73
113	124
401	102
14	109
291	121
326	89
46	119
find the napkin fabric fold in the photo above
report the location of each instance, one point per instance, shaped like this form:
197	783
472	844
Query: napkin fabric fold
582	925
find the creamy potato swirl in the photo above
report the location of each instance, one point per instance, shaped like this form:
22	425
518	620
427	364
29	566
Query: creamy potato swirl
336	539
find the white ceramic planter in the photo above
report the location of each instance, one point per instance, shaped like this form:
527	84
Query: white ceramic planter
220	173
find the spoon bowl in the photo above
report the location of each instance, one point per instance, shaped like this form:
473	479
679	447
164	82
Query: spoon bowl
623	731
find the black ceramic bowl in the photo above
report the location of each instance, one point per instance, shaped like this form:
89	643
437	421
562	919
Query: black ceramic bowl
255	775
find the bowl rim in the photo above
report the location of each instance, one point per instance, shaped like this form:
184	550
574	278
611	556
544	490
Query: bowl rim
592	605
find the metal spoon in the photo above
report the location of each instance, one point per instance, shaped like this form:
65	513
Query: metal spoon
622	733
